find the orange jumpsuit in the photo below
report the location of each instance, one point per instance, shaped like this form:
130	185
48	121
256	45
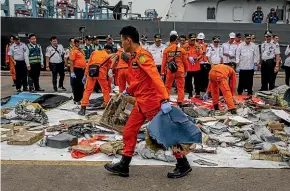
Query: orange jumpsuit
122	69
193	71
97	57
78	60
182	63
11	64
149	90
218	77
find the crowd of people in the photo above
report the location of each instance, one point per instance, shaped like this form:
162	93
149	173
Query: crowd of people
193	56
148	72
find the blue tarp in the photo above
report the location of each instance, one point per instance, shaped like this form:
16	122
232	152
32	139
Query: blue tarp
173	128
16	98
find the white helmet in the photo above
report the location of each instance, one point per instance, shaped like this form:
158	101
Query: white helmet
200	36
173	33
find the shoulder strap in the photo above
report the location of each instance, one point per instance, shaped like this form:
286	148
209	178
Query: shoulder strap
105	61
175	53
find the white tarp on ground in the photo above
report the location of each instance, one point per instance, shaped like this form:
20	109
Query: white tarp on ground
225	157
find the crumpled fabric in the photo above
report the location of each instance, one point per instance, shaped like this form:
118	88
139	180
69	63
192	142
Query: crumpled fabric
173	128
29	111
146	153
112	147
86	147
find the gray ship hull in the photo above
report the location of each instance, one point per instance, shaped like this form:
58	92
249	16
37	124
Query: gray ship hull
66	28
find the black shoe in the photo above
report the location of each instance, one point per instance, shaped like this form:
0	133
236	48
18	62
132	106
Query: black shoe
32	91
18	90
189	95
216	107
55	90
182	169
121	168
40	90
82	111
233	111
77	102
13	85
25	89
179	104
62	88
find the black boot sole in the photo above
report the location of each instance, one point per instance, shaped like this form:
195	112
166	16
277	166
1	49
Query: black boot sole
82	114
116	172
181	175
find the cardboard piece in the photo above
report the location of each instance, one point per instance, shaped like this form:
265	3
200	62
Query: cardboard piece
25	138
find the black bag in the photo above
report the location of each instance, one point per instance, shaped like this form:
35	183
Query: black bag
172	66
94	69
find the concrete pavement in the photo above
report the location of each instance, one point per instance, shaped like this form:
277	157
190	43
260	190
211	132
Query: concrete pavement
143	178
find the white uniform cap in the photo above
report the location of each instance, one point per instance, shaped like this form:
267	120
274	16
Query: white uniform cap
173	33
200	36
232	35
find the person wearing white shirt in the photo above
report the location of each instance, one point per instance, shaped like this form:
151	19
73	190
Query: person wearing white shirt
247	57
286	65
270	62
156	50
229	51
55	63
143	42
214	52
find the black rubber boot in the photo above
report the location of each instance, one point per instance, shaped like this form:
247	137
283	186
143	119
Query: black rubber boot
32	91
82	111
190	95
14	83
40	90
182	169
121	168
216	107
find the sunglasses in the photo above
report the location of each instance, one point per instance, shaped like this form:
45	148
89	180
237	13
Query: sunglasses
216	41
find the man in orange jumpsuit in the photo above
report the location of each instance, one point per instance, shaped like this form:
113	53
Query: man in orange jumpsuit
121	64
173	52
77	69
195	53
218	77
10	62
151	96
103	59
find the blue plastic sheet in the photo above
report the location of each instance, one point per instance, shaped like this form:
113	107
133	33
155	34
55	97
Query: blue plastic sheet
174	128
16	98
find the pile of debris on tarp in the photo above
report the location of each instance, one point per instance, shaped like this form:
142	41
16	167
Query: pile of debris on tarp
261	128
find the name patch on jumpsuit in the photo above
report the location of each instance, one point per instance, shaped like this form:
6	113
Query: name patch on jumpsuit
176	54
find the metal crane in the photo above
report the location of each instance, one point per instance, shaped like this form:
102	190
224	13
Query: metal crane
94	9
